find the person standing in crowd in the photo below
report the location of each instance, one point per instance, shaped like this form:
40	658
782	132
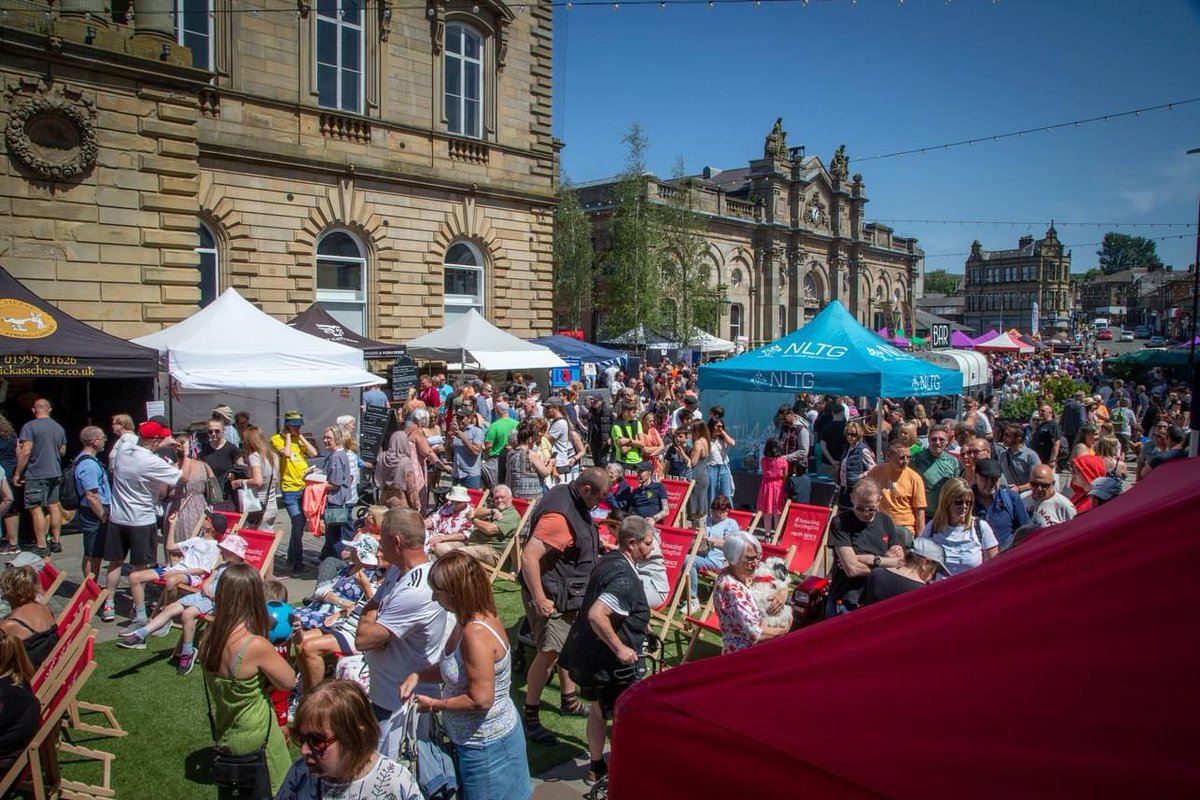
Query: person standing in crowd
224	415
237	659
1176	441
466	441
1016	460
185	503
339	500
857	459
42	444
923	561
8	464
720	478
140	480
699	502
394	471
739	615
599	429
294	451
966	540
627	435
834	440
526	469
999	506
902	490
774	469
565	443
1047	436
241	421
496	439
374	397
562	549
221	457
602	647
1044	504
688	412
95	497
336	736
263	478
935	465
402	629
124	434
862	539
475	668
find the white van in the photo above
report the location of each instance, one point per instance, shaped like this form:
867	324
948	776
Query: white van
1100	323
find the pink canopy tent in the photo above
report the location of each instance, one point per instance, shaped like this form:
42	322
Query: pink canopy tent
897	341
1002	343
991	334
1040	674
961	340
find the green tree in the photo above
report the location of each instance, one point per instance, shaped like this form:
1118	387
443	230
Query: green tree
574	259
632	268
941	282
1120	251
693	304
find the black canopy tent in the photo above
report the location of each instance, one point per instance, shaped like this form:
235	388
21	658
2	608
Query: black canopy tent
45	352
317	321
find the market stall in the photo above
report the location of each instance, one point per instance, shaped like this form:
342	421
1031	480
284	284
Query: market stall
1002	343
476	344
316	321
230	352
1033	675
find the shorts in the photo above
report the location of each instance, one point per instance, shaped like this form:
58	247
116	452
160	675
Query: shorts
549	634
201	602
605	695
137	542
345	641
192	580
93	533
41	492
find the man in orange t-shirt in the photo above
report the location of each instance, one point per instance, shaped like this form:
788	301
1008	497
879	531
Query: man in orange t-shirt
902	489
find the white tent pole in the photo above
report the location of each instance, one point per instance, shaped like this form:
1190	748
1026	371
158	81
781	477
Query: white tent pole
879	427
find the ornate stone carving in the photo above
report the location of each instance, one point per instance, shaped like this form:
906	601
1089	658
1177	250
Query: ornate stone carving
776	144
436	12
839	167
815	213
53	135
501	42
385	20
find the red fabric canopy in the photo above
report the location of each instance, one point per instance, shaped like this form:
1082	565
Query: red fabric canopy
1065	668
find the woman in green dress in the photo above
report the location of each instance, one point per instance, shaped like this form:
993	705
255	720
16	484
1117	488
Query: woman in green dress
236	657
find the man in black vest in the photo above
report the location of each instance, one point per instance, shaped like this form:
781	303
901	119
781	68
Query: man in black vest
601	651
556	562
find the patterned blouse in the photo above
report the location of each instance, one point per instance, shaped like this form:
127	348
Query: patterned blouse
346	587
741	624
446	522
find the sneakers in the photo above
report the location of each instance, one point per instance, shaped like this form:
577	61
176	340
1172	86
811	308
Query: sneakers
7	549
55	546
40	552
186	662
165	630
132	641
108	613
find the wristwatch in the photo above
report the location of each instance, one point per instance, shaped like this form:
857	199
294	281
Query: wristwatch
875	562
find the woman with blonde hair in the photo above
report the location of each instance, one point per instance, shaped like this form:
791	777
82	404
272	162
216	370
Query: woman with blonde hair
858	460
236	657
967	540
476	672
1109	448
263	477
20	712
907	433
923	422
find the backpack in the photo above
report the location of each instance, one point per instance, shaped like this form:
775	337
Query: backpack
69	495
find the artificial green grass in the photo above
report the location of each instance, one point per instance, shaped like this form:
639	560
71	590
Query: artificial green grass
167	752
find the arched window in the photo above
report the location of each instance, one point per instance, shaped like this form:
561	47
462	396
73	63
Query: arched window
339	54
735	321
194	30
464	80
210	266
342	279
463	282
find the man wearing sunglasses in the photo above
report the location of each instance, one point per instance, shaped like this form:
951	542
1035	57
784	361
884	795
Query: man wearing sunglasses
1044	504
862	538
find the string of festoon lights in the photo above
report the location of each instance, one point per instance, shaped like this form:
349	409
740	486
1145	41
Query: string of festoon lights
1070	245
1030	223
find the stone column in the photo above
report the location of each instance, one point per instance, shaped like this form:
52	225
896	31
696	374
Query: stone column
155	18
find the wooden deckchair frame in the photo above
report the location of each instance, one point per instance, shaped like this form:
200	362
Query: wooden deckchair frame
667	617
821	560
512	549
92	606
57	576
484	494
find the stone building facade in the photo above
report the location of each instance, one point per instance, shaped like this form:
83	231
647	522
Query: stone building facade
786	235
394	163
1001	286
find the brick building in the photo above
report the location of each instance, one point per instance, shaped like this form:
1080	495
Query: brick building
1001	286
785	235
394	163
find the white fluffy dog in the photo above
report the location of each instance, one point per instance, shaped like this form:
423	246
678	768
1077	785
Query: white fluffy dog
769	578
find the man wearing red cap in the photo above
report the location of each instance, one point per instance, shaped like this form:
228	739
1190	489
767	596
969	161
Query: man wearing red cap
140	480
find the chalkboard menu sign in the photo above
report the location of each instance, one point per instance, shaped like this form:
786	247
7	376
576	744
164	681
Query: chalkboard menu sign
404	378
374	425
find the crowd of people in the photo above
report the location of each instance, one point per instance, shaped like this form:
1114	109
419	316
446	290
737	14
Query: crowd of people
402	622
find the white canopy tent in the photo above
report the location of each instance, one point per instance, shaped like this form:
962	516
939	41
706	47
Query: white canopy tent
705	342
475	343
232	353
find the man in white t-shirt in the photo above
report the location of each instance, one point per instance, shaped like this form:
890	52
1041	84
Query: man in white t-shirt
140	480
686	414
1045	505
402	630
565	442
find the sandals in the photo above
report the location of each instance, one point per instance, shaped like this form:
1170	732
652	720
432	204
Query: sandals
569	705
538	733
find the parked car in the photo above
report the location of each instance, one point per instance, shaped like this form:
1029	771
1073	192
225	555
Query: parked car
1104	335
1142	332
1156	341
1126	336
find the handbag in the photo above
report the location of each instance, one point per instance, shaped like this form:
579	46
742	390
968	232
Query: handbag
248	500
239	777
336	515
213	491
428	758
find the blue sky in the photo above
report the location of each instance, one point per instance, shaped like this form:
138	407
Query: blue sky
880	77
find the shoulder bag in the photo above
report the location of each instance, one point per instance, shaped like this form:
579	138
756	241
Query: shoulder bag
428	758
238	777
213	493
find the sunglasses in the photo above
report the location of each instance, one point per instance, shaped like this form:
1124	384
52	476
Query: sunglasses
317	742
866	509
963	503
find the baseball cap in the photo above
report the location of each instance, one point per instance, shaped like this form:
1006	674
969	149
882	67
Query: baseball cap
928	548
293	419
219	521
1105	488
988	468
151	429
